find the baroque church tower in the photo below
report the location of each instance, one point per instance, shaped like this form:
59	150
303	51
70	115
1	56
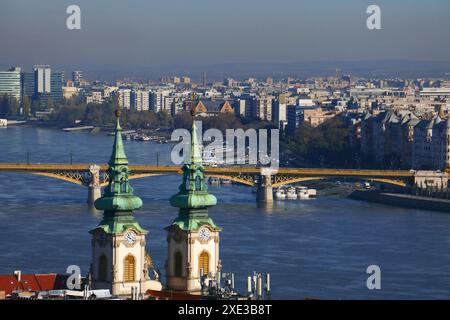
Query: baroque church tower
193	237
119	259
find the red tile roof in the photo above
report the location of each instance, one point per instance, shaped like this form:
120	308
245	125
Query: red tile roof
29	282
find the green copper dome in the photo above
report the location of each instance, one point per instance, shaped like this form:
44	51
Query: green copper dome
193	198
118	195
193	192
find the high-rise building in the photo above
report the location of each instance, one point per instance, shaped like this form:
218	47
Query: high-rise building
77	77
43	84
56	82
140	100
10	83
239	107
279	109
42	78
157	98
294	115
186	80
260	108
28	87
204	79
124	98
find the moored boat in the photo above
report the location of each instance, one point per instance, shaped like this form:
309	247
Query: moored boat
214	181
302	192
280	194
291	193
305	193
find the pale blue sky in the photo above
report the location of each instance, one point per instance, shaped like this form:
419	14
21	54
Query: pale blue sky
162	32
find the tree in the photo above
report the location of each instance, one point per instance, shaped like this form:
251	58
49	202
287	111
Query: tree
182	120
26	105
325	145
67	115
9	106
164	119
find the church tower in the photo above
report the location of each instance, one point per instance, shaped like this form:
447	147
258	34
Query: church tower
119	260
193	237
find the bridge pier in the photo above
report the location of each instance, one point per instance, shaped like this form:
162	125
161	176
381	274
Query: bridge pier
264	194
94	188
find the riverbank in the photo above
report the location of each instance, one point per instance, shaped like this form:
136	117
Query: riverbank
161	132
402	200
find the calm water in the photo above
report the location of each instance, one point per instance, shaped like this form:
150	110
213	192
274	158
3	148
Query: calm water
319	248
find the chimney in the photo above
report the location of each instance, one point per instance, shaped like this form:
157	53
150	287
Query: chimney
18	275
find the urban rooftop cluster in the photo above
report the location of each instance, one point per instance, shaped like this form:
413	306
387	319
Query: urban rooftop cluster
399	121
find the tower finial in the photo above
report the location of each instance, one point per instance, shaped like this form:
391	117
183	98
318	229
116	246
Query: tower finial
117	111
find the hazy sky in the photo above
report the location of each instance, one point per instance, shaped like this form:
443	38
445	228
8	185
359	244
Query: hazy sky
162	32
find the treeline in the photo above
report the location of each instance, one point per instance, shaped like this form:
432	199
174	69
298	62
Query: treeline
9	107
327	145
103	115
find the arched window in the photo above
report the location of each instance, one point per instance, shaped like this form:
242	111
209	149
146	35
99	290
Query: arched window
178	267
129	269
102	268
198	183
187	183
123	186
203	262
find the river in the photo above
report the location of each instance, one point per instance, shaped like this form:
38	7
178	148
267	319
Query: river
317	248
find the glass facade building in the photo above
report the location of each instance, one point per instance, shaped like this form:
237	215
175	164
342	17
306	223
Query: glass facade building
10	83
28	87
43	84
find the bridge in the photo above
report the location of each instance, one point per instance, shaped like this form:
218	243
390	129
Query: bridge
95	176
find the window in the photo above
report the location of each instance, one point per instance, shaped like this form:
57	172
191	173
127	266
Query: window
178	260
123	186
198	183
129	269
102	268
187	183
203	263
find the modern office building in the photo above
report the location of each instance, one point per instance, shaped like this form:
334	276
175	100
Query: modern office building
28	87
42	78
42	84
10	83
56	82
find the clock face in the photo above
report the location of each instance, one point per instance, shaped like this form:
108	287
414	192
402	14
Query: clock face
204	234
130	237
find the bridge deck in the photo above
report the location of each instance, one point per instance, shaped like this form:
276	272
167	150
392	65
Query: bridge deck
48	167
